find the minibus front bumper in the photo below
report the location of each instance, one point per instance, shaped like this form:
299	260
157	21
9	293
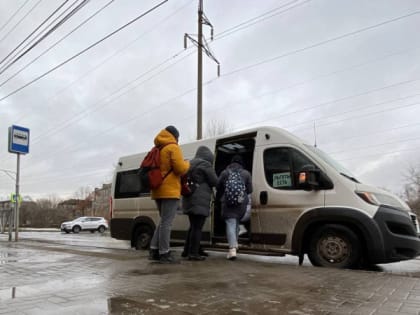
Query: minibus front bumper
400	236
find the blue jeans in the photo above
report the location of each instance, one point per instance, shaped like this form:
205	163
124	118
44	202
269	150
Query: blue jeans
232	230
161	237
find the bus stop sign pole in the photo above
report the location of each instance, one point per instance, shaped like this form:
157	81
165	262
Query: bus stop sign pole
17	198
19	144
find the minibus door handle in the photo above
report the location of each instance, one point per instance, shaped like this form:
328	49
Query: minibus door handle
263	197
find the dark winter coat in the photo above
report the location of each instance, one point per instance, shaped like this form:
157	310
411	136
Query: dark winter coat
203	174
239	210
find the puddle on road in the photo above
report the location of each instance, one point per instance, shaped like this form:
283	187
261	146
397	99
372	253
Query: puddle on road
49	287
123	305
150	272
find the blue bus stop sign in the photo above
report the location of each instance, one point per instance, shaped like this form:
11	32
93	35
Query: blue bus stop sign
18	140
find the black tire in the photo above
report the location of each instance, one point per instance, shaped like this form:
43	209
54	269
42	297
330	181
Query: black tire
67	232
143	237
334	246
76	229
101	229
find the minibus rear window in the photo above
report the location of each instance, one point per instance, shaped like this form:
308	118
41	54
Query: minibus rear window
127	184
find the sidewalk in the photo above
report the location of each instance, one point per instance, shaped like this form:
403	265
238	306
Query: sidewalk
38	278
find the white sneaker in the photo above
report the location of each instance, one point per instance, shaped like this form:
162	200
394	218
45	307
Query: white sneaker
242	229
231	254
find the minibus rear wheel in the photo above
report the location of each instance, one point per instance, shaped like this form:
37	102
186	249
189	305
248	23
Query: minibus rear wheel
334	245
143	236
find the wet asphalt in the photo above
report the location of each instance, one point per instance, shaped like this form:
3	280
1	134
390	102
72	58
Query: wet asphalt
55	273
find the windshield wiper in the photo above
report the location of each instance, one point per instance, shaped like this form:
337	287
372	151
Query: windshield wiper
350	177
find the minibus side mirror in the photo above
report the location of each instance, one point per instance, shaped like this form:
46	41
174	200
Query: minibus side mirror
310	178
307	180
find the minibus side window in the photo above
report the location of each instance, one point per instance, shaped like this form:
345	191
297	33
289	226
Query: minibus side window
277	168
282	165
127	184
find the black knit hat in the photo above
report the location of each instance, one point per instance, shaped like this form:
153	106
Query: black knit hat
237	159
173	131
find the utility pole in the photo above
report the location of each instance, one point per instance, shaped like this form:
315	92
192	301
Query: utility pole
201	44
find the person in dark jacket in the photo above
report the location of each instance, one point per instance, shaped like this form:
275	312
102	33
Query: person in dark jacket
233	214
197	205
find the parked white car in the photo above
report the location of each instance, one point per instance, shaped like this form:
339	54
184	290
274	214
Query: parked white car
85	224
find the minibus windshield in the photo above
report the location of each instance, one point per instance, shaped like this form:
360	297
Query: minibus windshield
337	166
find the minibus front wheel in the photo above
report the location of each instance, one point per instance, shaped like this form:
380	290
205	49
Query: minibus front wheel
143	236
334	245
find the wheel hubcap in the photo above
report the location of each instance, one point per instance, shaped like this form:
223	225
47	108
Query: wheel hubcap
334	249
143	239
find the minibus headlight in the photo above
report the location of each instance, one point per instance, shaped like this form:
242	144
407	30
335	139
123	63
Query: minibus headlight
377	199
368	197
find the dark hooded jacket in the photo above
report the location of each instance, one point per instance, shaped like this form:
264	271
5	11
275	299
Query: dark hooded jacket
202	172
239	210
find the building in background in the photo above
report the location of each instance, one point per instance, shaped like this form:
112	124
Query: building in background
100	201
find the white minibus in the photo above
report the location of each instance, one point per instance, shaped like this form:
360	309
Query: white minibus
303	202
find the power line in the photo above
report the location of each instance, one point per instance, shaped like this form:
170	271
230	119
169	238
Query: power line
374	133
191	90
338	100
314	78
84	113
40	37
366	29
113	55
379	154
373	146
133	117
293	52
56	43
125	122
99	103
13	15
83	51
142	114
363	116
241	102
231	31
114	127
185	93
35	30
259	19
20	21
242	23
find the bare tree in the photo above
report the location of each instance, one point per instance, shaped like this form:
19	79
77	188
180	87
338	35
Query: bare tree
217	127
49	203
412	188
44	203
83	192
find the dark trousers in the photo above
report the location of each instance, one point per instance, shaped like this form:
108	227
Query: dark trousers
192	243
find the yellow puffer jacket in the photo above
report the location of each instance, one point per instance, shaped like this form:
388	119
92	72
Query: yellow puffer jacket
171	157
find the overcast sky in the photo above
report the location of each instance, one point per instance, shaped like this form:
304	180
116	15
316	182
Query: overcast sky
351	68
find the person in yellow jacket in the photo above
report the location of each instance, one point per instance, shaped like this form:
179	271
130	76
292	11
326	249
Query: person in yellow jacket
167	195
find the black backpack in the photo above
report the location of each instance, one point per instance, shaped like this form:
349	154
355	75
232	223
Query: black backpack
235	190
